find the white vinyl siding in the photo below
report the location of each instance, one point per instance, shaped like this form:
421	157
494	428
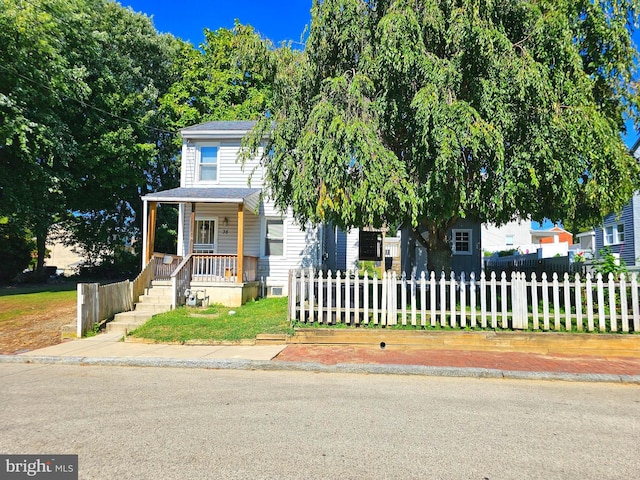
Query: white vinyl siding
230	172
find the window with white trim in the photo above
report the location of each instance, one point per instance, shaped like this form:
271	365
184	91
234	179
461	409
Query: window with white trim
508	240
614	234
274	237
208	163
461	242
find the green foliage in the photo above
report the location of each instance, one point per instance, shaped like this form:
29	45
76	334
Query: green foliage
607	263
423	113
80	83
228	78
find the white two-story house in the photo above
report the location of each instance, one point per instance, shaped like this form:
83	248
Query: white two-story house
232	241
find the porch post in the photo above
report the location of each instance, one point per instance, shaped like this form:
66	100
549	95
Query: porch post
239	273
144	234
192	227
151	230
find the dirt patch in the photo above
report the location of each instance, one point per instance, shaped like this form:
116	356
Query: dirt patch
37	329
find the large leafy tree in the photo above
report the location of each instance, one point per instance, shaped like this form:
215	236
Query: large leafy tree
124	147
79	87
36	144
423	112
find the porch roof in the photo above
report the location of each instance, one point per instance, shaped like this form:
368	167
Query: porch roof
205	195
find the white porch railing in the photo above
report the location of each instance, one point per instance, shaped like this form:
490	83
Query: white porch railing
591	303
223	268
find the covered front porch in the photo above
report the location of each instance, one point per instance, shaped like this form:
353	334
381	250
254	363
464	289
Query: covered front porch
213	254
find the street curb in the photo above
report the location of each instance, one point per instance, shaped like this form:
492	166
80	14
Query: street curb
269	365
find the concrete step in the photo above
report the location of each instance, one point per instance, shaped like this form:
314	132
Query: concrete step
152	298
159	290
153	307
128	321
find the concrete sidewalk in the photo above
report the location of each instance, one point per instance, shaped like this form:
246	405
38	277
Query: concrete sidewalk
109	349
110	345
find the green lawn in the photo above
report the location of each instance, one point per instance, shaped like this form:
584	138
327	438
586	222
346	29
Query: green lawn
18	302
216	323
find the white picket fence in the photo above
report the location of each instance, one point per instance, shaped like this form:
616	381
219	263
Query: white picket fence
591	303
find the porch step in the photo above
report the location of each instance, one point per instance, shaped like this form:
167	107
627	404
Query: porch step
128	321
157	299
152	308
160	290
153	298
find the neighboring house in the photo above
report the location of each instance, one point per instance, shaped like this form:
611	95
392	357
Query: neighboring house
512	235
621	231
236	237
64	258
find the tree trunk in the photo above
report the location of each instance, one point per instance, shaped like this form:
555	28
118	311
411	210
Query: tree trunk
41	232
439	254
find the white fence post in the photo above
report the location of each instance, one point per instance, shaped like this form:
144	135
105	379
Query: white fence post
613	321
347	298
534	301
392	310
403	297
624	308
365	301
463	301
483	300
578	295
602	326
329	297
472	298
443	300
589	293
423	299
320	296
634	302
452	299
356	297
375	298
567	303
413	300
432	297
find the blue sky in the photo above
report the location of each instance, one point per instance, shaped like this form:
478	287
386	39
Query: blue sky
277	20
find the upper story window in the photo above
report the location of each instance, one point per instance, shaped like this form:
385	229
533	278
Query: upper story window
208	163
508	240
614	234
461	242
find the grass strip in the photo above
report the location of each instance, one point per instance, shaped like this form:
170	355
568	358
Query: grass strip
217	323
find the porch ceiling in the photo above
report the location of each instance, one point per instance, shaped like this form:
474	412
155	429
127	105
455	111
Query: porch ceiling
205	195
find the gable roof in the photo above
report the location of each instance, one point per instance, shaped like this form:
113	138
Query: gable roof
218	129
222	125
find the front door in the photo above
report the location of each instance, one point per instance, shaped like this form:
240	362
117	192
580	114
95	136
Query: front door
206	236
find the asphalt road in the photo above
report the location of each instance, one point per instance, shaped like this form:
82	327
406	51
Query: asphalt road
165	423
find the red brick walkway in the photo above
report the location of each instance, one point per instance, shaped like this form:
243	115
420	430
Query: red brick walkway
508	361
